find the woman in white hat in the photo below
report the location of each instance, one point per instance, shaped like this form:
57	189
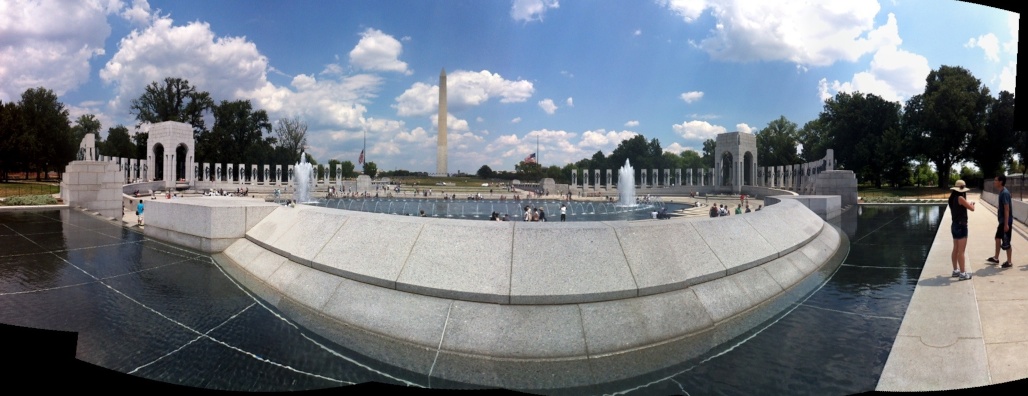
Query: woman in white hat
958	206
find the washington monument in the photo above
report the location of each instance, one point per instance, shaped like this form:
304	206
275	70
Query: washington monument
440	157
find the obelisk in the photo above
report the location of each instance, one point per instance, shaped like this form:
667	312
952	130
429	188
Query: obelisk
440	158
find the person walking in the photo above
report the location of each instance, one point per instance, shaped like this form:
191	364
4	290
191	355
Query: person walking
1006	222
958	206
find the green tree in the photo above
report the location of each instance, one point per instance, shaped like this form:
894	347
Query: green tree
815	140
46	123
173	100
776	143
332	163
709	148
12	140
291	135
528	170
118	143
636	150
86	124
370	169
952	109
347	169
994	144
858	122
237	135
924	175
691	160
485	172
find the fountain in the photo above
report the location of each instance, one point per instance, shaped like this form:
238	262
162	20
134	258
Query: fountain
303	175
626	185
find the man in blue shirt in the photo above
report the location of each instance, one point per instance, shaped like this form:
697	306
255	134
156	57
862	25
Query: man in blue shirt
139	213
1006	222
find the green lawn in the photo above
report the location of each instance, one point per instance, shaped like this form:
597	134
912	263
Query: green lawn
20	189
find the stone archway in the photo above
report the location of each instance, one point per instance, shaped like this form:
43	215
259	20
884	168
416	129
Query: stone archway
740	149
177	156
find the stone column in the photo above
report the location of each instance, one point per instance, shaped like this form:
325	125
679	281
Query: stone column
574	177
597	178
610	178
678	177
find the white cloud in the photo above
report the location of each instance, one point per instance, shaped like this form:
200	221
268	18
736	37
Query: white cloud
637	32
531	10
676	148
139	14
50	44
570	102
227	67
803	32
1008	77
378	51
697	130
632	123
744	128
988	43
463	89
691	96
548	106
515	120
1012	28
453	124
689	10
894	74
602	139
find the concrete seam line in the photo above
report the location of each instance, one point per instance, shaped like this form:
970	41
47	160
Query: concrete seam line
625	255
585	337
439	348
315	255
510	267
407	259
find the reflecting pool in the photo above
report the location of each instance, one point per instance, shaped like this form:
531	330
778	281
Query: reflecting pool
161	312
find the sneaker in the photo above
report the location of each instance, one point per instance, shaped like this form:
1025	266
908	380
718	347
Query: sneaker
965	276
992	260
1007	265
955	273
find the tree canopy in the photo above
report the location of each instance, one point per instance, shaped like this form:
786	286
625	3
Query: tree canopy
173	100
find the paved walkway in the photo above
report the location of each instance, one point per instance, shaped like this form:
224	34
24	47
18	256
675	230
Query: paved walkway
962	334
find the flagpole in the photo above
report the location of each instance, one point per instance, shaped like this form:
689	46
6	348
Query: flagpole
537	155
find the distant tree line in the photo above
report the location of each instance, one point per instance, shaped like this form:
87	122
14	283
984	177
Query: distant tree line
954	120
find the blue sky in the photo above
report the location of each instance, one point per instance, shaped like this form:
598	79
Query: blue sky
576	76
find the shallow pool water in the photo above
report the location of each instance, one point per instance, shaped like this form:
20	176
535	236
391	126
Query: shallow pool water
162	312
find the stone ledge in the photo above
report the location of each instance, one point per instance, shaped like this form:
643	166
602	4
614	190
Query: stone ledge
532	263
504	345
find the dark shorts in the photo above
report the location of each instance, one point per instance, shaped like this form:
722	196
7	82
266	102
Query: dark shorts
1004	236
959	230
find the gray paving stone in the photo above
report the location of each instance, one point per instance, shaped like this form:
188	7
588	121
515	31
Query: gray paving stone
368	239
276	224
460	259
613	326
399	315
313	229
782	229
575	262
515	331
735	242
668	255
721	298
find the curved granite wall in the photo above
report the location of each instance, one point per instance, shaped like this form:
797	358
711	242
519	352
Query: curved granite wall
533	305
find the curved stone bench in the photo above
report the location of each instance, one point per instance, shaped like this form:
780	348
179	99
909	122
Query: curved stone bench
532	263
533	305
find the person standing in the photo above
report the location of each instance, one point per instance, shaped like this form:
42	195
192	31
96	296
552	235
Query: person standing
958	206
139	212
563	212
1006	222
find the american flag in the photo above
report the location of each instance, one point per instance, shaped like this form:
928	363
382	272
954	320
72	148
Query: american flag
360	160
530	159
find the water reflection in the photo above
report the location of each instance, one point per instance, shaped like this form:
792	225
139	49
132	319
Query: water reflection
161	312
